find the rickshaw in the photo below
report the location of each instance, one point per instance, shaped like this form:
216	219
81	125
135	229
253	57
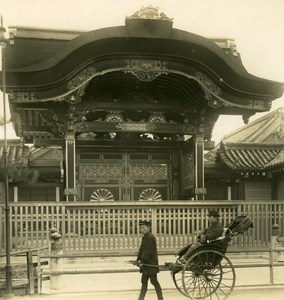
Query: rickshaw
206	272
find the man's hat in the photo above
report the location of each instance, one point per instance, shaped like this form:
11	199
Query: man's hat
147	223
213	213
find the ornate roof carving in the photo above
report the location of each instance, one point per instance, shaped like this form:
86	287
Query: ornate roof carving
150	13
146	69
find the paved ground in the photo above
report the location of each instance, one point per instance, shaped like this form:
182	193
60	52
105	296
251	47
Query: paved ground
251	283
238	294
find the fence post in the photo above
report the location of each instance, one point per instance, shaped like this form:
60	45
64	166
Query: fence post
30	272
274	241
63	224
280	241
55	262
39	273
154	220
273	255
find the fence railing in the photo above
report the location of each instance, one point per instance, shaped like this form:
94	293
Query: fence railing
26	273
113	227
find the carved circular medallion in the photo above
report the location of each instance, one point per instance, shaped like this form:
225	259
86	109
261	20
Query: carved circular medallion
150	194
102	194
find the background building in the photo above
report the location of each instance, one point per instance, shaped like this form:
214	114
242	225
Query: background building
248	163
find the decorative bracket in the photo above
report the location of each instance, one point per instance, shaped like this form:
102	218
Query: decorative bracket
22	97
146	69
70	139
210	89
82	78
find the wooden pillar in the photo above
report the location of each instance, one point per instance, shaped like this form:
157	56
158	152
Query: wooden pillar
70	154
16	194
274	187
229	193
57	194
199	190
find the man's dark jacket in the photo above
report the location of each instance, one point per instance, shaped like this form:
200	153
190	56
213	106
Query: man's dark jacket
148	254
214	231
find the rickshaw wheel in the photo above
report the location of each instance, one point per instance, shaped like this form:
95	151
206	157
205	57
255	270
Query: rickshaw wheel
177	274
208	273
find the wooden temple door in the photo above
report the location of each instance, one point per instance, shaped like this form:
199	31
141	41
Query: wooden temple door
149	176
124	176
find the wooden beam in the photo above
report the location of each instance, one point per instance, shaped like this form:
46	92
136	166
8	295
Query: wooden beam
39	143
95	105
135	127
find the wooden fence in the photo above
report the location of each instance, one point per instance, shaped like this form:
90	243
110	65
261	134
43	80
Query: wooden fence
113	227
26	273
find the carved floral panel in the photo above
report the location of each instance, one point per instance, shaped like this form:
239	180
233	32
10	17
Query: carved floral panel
100	171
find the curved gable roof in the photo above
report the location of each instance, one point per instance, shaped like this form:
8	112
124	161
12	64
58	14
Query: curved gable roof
53	60
147	60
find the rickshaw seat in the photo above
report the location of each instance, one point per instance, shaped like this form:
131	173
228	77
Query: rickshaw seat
236	227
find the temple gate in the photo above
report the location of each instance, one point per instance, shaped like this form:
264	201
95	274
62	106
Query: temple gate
132	107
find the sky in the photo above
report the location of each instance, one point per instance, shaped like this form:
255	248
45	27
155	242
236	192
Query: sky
256	25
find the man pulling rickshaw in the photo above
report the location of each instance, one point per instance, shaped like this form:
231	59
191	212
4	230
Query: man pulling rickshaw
202	270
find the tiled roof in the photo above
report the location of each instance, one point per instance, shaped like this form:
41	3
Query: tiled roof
277	161
248	156
258	145
268	129
16	151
